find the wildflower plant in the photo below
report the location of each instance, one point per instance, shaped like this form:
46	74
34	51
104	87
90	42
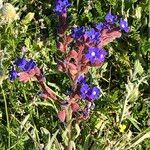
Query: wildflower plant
82	48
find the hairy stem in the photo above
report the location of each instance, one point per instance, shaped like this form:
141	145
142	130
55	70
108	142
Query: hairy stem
69	128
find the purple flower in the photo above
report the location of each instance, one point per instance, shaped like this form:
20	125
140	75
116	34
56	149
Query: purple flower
77	32
93	93
81	79
61	6
30	65
89	93
102	55
124	25
21	63
12	74
110	18
95	54
24	64
93	35
84	90
106	26
99	26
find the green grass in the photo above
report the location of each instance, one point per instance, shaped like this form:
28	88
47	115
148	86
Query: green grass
27	122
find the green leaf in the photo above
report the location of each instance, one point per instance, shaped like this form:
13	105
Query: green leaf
64	136
98	8
86	143
138	139
134	122
27	43
138	68
78	130
28	18
46	104
138	12
134	93
50	141
24	121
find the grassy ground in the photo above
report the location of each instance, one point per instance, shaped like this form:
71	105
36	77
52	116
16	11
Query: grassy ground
121	117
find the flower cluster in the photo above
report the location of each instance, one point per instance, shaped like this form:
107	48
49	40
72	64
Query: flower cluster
85	91
82	49
24	67
61	6
78	32
111	18
89	93
24	64
94	34
8	13
96	55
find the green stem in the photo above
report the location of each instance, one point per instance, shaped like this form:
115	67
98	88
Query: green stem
7	117
69	128
122	8
124	109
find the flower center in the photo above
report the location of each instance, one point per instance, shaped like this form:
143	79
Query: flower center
93	36
123	25
94	93
93	53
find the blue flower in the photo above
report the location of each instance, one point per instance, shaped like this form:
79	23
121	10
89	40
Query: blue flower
102	55
12	74
99	26
78	32
61	6
84	90
95	54
30	65
81	79
93	93
124	25
110	18
24	64
93	35
92	54
88	93
21	63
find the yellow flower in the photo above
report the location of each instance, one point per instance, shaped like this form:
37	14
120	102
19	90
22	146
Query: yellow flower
122	128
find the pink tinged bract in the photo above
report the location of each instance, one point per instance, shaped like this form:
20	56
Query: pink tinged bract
26	76
62	115
61	47
108	36
75	107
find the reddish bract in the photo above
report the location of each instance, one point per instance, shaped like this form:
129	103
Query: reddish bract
108	36
74	106
62	115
